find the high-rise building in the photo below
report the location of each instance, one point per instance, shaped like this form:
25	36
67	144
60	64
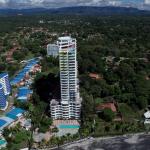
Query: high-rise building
4	81
52	50
2	98
70	104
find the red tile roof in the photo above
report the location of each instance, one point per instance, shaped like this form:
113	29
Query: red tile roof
94	75
107	105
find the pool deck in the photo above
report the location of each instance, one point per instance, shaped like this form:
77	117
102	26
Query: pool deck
69	123
3	142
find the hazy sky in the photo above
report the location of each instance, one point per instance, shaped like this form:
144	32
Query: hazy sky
143	4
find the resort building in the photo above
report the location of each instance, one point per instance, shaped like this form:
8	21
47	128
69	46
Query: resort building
69	105
4	81
52	50
19	78
24	93
10	117
2	98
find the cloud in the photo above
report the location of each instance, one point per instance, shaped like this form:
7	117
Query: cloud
66	3
147	2
56	3
114	3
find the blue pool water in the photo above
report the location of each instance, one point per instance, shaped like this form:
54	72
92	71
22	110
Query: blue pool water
2	142
64	126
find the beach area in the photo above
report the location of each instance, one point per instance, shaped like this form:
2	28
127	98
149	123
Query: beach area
139	141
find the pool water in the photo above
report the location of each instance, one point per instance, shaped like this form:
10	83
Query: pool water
2	142
64	126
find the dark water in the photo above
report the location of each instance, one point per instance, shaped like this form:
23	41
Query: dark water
136	142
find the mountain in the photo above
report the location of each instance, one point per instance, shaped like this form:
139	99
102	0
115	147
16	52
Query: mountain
82	10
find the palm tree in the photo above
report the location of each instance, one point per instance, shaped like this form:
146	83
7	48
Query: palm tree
68	136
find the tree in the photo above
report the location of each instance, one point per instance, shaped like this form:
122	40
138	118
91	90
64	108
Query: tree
55	130
142	102
19	55
88	105
108	115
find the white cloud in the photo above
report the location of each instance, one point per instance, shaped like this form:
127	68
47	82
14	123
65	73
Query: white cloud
63	3
114	3
2	1
147	2
57	3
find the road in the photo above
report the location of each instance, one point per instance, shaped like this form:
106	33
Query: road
139	141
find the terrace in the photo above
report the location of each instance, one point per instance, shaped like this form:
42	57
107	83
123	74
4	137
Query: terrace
66	126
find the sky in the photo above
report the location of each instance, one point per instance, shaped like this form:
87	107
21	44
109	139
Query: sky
142	4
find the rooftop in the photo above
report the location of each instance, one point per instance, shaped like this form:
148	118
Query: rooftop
5	121
25	70
147	115
15	113
94	75
54	102
65	38
10	117
107	105
3	74
23	93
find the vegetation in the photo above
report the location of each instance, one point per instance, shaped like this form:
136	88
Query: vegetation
16	137
108	114
114	47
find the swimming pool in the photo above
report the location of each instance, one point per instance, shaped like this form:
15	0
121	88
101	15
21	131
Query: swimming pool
2	142
66	126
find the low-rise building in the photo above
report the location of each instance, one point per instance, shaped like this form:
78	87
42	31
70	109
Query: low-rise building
109	105
24	93
95	76
147	117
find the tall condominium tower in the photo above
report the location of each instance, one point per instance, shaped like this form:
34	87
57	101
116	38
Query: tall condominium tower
69	106
4	81
2	98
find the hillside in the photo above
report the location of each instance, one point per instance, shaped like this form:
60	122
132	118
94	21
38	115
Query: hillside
82	10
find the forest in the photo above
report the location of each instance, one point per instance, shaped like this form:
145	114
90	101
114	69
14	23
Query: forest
116	48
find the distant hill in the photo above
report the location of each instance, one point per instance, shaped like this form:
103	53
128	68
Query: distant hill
82	10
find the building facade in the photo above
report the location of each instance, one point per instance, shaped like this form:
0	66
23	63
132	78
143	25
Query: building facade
52	50
2	98
70	103
4	81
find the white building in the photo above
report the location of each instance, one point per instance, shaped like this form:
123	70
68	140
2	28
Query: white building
4	81
70	104
147	117
52	50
